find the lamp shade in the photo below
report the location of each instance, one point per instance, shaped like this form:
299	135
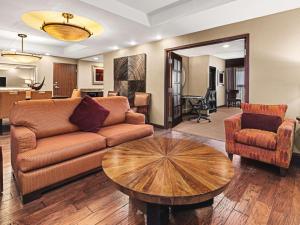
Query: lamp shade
21	57
62	26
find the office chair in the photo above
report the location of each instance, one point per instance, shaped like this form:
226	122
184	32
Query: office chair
201	105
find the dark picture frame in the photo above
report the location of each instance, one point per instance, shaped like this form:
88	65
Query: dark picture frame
221	78
97	75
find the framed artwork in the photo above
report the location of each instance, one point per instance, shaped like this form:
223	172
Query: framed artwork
130	75
221	78
97	75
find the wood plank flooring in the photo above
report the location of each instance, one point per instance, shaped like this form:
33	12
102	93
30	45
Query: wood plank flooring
256	196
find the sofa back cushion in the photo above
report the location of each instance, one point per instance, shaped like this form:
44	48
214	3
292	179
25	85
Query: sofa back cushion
51	117
117	107
272	110
260	122
45	117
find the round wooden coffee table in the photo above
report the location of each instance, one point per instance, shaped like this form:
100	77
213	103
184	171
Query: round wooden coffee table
165	172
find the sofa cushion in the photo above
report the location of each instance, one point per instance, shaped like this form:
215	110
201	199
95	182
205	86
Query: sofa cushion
117	106
124	132
89	116
258	138
45	117
56	149
260	122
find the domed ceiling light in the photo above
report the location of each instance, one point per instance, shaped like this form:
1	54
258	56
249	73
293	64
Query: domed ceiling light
21	57
62	26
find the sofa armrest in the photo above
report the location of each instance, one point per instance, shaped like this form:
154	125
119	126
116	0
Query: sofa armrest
285	140
22	140
232	125
135	118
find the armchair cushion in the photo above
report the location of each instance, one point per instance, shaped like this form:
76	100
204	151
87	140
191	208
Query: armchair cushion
260	122
258	138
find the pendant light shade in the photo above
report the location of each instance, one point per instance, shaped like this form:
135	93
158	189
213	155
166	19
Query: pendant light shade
21	57
62	26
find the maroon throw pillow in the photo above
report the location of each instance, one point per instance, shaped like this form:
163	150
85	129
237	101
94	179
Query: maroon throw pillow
89	116
260	122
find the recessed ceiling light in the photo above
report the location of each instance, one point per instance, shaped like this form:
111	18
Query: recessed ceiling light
115	47
226	46
132	43
47	53
158	37
96	58
13	50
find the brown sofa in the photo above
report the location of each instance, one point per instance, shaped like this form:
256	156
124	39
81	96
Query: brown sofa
47	150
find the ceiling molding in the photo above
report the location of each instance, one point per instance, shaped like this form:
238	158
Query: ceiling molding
120	9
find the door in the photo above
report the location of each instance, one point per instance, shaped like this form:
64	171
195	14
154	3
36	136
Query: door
64	79
240	82
176	78
212	78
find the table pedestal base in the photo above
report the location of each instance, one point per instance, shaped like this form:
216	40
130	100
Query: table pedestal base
159	214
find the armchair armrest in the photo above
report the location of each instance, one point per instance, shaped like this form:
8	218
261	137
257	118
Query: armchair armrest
22	140
135	118
232	125
285	140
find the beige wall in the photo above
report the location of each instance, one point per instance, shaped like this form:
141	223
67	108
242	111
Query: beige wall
45	69
274	60
85	75
198	75
220	65
15	77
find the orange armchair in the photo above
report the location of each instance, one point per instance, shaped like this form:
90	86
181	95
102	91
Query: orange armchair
266	146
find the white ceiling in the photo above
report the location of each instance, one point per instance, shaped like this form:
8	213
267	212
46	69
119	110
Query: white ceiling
233	50
128	22
147	6
95	58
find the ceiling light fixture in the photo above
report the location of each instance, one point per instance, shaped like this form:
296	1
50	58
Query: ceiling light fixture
158	37
132	43
115	47
66	31
63	26
21	57
96	58
226	46
47	53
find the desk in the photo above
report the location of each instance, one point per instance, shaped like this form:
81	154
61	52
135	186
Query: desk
199	108
187	108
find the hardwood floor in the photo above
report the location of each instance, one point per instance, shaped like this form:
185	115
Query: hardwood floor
256	196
